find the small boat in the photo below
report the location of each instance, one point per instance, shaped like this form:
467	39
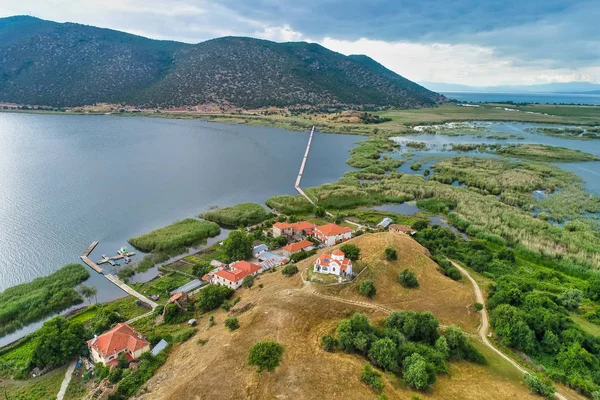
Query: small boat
116	262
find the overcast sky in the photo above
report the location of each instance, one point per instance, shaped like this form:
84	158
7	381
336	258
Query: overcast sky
473	42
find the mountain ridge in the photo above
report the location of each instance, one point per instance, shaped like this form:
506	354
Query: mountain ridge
68	64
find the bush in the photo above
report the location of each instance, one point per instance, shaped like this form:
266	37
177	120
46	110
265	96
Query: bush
367	288
351	251
420	225
391	254
418	373
265	355
289	270
459	347
477	307
383	353
372	378
328	343
115	375
184	335
408	279
232	323
540	385
213	296
248	281
171	312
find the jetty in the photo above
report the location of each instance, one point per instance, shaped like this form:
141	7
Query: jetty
130	290
90	248
91	264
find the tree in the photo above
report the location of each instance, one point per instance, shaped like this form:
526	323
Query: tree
351	251
415	326
355	333
418	373
459	347
238	245
408	279
593	289
171	312
383	353
232	323
213	296
122	362
391	254
328	342
372	378
441	345
571	298
540	385
248	281
58	341
265	355
420	225
88	292
320	212
510	325
289	270
115	375
201	268
367	288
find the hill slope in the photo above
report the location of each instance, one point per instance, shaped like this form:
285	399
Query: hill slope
48	63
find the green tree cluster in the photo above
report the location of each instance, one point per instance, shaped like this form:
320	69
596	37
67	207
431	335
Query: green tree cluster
408	279
265	355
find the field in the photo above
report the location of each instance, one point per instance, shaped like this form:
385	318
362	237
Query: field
43	388
292	314
125	306
242	214
174	238
162	286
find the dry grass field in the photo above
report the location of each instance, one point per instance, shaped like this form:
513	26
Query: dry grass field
288	311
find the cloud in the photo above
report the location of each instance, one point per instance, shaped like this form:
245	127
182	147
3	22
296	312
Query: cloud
465	41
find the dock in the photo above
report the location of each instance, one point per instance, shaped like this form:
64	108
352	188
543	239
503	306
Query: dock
130	290
91	264
90	248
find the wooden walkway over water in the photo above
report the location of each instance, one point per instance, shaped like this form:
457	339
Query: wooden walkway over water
130	290
92	264
90	248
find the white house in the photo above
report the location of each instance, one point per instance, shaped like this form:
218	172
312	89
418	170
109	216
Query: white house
332	234
335	263
258	250
235	274
107	347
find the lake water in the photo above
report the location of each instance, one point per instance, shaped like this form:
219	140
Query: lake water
69	180
541	98
439	146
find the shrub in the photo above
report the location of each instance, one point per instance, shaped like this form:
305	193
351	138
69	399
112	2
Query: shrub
420	225
391	254
383	353
372	378
477	307
184	335
289	270
367	288
171	312
459	347
540	385
328	342
232	323
248	281
418	373
408	279
351	251
265	355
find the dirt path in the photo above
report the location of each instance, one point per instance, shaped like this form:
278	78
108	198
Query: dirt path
485	326
65	383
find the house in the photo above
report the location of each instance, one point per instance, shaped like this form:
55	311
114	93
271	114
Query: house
335	263
282	229
331	234
179	298
402	228
385	222
292	248
233	275
107	347
257	250
302	228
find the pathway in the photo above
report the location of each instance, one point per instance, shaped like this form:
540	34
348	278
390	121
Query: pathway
65	383
130	290
484	328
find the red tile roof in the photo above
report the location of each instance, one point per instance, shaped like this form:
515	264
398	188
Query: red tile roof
176	297
302	226
121	337
282	225
337	252
238	271
325	259
246	266
333	229
294	247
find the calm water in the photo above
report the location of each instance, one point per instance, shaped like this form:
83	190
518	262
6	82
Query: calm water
542	98
438	144
69	180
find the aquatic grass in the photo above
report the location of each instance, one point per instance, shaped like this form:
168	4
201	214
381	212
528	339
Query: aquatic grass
174	238
242	214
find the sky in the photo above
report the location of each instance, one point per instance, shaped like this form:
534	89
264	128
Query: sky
478	43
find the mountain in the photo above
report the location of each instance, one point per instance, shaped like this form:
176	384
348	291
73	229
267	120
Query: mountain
555	87
67	64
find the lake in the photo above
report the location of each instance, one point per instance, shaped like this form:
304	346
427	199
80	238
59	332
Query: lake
68	180
541	98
